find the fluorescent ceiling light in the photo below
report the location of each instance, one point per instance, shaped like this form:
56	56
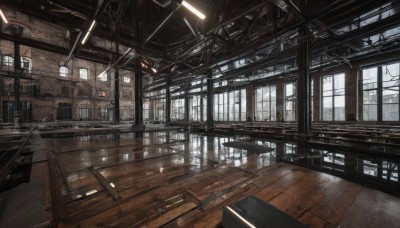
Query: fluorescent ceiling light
154	70
194	10
88	32
3	17
102	73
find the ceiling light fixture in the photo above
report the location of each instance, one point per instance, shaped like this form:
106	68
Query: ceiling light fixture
154	70
88	32
194	10
102	73
3	17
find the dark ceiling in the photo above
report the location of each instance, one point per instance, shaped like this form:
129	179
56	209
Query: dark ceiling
184	44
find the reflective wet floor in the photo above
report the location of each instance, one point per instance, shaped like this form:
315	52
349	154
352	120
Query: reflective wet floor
180	179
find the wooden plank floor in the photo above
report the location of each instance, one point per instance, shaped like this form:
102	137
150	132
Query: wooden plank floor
169	183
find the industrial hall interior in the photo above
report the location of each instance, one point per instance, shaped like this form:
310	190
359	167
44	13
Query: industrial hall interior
199	113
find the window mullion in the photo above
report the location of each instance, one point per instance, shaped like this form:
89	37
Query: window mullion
380	93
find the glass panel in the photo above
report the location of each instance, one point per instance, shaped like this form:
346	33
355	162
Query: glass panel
327	109
339	108
370	107
390	75
327	85
370	78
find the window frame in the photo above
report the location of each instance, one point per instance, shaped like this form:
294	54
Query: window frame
63	71
83	73
333	96
380	91
290	99
271	111
127	79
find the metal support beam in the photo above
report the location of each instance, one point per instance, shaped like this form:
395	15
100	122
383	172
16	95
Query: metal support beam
17	68
187	108
209	101
168	103
116	90
101	6
116	96
304	83
138	92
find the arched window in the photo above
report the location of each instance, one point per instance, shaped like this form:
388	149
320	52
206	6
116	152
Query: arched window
63	71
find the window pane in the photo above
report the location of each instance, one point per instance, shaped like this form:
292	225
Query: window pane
370	78
339	108
327	85
390	75
327	109
390	104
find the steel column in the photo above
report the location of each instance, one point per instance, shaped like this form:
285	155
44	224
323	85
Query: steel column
138	92
116	96
210	99
168	103
17	68
304	83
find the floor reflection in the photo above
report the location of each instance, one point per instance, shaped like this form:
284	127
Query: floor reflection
126	159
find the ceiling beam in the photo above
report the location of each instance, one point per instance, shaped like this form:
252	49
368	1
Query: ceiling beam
101	6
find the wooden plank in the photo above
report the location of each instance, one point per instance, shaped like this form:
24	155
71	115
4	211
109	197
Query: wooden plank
313	221
281	184
170	215
103	181
40	173
336	200
373	208
303	194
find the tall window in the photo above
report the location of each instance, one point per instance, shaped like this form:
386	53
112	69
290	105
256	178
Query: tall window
381	93
84	113
127	79
333	97
63	71
390	92
370	94
146	110
230	106
178	109
103	114
83	73
196	108
159	108
290	102
266	103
